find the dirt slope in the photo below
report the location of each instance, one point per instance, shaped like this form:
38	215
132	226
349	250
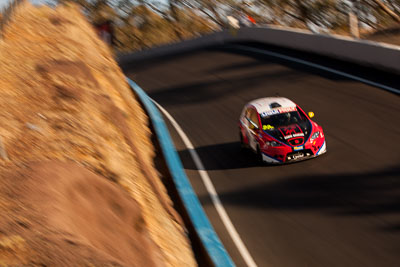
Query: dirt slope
390	36
77	182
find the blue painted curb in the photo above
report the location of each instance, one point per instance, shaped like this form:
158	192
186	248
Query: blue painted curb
203	227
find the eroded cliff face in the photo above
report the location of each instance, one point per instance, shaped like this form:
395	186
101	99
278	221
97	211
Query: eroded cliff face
77	180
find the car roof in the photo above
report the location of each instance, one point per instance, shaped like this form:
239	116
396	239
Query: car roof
269	103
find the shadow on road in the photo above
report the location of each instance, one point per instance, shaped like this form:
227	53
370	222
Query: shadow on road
225	156
339	194
344	194
219	87
220	157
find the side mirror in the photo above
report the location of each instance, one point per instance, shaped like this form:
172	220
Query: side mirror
311	114
253	126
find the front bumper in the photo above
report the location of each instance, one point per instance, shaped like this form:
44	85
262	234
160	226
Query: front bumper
289	154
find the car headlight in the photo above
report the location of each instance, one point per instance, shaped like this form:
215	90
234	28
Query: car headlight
273	144
315	135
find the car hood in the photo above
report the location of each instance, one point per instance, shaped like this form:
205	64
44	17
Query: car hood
294	134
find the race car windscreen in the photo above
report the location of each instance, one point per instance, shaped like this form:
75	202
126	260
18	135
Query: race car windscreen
284	119
275	122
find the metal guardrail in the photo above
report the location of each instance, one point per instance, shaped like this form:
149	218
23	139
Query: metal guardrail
205	232
366	53
7	14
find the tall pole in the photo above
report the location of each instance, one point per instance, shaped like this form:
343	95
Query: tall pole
353	19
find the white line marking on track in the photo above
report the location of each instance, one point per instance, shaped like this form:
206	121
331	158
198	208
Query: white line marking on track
211	191
318	66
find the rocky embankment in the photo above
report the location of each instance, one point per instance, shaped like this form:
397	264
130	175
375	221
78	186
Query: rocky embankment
78	185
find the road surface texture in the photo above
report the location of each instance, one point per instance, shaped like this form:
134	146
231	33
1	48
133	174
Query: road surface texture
341	209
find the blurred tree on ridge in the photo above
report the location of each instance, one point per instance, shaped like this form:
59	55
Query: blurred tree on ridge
141	24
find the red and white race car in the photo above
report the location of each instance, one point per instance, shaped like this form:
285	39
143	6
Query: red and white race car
279	131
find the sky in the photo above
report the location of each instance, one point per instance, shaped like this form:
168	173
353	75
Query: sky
4	3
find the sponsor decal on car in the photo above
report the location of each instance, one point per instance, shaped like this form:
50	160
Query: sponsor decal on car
294	135
297	156
277	111
291	132
268	127
297	148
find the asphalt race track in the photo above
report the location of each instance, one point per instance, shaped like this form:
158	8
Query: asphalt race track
341	209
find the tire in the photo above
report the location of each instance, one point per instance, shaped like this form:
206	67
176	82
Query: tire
259	156
243	146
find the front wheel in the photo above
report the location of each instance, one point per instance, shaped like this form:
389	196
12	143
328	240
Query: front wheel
259	155
243	146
